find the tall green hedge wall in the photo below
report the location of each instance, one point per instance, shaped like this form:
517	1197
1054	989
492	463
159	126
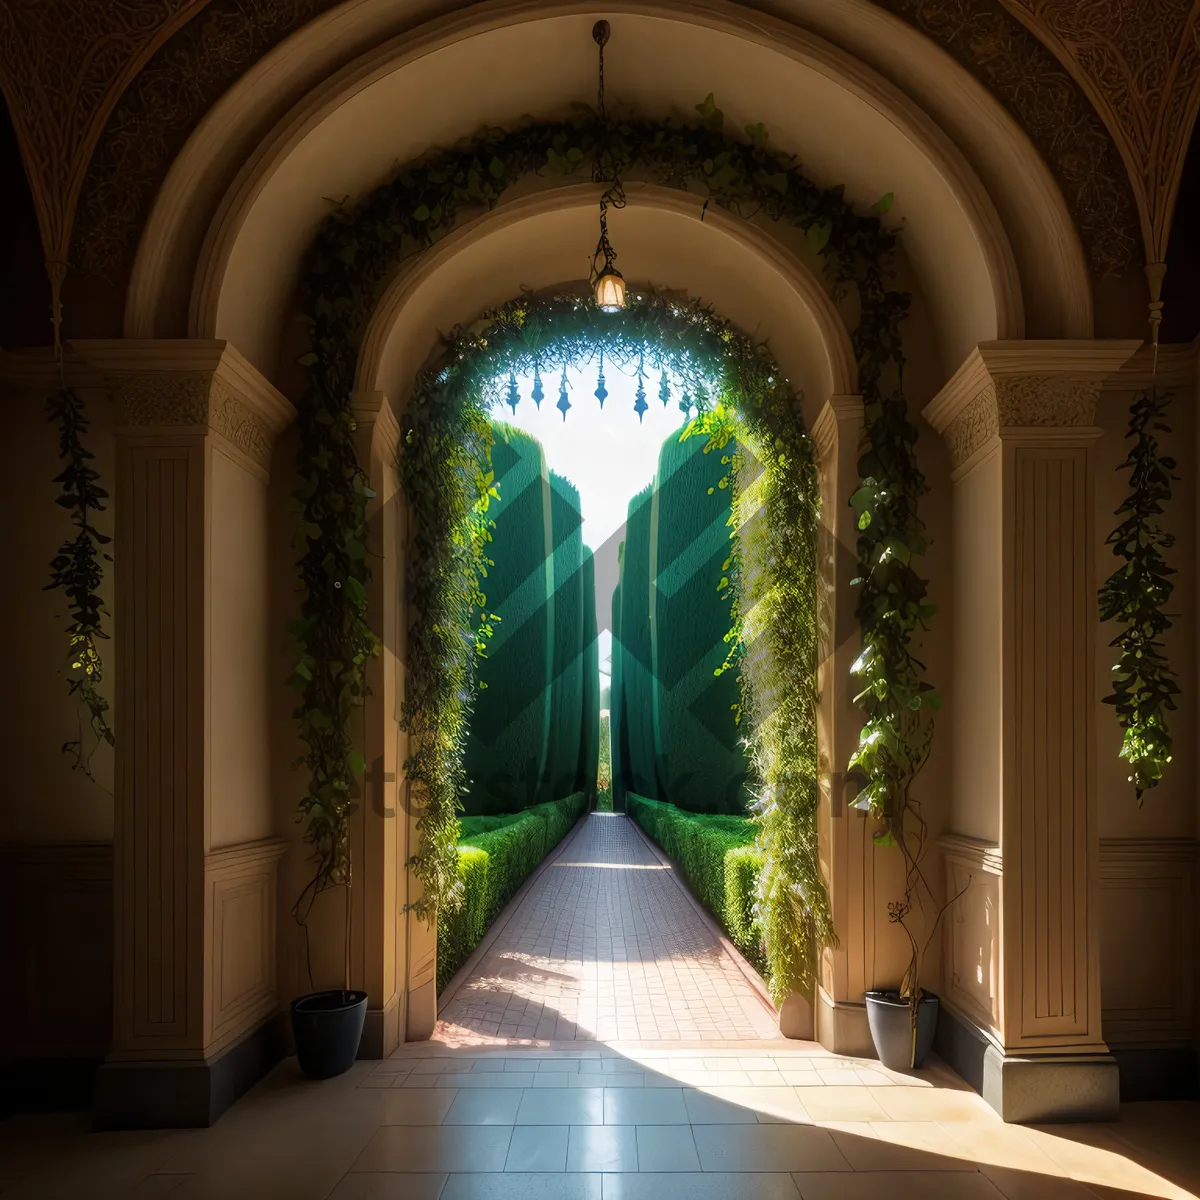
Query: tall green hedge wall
534	734
589	741
618	743
699	763
674	733
566	679
507	752
638	765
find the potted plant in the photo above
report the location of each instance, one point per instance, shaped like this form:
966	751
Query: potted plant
898	705
327	1026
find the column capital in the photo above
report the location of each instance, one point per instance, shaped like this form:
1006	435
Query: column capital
1006	386
191	384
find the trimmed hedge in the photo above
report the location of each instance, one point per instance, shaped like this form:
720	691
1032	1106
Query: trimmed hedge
718	857
567	663
496	854
589	741
700	764
507	750
637	758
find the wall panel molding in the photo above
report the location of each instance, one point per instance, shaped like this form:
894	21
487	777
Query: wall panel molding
971	935
56	950
240	884
1147	939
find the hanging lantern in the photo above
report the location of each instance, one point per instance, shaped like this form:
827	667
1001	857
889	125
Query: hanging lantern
640	406
664	388
514	396
608	285
610	289
538	394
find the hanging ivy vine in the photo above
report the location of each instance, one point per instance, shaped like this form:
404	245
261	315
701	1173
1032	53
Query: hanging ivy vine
1144	687
353	255
78	571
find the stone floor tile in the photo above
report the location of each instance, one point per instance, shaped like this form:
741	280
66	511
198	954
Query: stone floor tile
928	1104
561	1106
523	1187
388	1185
420	1106
896	1185
768	1148
644	1106
602	1148
666	1148
715	1186
484	1106
538	1148
492	1079
706	1109
831	1103
435	1148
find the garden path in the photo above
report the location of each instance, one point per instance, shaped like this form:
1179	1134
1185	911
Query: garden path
605	944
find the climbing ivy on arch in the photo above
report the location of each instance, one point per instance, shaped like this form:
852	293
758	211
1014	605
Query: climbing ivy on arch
687	354
353	256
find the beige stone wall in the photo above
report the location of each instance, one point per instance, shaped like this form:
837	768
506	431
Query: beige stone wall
243	671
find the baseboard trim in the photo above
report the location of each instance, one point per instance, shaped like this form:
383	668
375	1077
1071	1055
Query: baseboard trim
1048	1088
183	1094
1159	1073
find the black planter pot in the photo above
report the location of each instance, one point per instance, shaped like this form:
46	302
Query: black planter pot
328	1027
890	1018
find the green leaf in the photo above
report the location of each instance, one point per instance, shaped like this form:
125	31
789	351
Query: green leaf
884	203
757	134
818	236
712	116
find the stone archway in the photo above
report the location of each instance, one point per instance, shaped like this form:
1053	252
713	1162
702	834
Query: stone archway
219	261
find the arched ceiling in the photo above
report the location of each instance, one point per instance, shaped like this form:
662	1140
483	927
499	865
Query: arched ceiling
848	126
104	95
535	241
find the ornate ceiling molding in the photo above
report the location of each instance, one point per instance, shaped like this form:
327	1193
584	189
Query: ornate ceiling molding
154	118
1050	105
103	96
63	64
1140	67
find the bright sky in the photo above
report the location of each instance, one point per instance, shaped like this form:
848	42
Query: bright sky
605	453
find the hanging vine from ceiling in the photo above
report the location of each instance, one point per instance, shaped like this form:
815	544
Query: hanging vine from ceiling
77	570
1144	687
357	250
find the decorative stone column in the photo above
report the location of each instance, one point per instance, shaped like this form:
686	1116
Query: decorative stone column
195	858
379	830
1022	974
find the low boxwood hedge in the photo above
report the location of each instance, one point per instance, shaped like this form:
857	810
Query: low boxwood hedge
495	856
718	857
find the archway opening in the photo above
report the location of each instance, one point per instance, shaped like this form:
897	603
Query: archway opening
747	424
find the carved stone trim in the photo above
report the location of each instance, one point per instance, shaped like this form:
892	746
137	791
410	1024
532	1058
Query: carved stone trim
1023	385
195	385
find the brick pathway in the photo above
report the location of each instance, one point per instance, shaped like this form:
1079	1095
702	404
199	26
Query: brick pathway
604	945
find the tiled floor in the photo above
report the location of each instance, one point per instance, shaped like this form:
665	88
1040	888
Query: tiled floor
605	944
713	1106
781	1121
